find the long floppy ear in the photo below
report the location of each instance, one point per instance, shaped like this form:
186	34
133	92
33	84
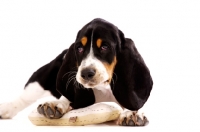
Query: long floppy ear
133	82
66	82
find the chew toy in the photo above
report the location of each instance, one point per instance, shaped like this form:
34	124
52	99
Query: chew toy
94	114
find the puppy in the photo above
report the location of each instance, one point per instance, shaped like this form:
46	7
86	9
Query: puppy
100	66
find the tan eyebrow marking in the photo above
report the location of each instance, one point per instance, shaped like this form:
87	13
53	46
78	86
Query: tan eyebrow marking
84	41
99	41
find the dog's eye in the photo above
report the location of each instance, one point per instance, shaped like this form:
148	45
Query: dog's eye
80	49
104	47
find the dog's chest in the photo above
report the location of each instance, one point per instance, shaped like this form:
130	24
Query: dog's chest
104	95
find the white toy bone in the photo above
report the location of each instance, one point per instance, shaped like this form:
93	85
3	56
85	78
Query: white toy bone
94	114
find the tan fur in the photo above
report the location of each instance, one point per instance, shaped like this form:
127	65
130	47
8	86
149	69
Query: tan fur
99	41
110	68
84	41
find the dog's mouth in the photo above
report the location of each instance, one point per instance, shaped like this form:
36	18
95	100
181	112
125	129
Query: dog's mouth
91	84
107	81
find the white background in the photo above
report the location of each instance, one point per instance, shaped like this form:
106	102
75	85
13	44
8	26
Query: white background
166	33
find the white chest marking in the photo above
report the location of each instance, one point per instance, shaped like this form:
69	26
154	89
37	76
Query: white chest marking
104	95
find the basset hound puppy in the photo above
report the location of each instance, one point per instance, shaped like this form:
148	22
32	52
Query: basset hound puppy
101	65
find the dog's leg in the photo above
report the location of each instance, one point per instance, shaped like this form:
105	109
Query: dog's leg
132	118
43	80
54	109
31	93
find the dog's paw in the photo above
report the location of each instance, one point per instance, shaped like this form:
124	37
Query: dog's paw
53	110
132	118
8	110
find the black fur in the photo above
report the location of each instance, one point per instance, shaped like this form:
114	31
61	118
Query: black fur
133	82
98	28
47	74
79	97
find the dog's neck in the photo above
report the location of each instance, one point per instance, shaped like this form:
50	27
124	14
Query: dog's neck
102	86
104	93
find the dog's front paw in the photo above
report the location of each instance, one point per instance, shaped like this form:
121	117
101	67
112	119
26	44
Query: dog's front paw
9	110
53	110
132	118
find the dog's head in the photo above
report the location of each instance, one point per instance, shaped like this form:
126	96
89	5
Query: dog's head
102	57
96	48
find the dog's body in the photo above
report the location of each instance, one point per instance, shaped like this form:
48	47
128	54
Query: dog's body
101	65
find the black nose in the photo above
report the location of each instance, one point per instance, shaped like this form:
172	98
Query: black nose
87	73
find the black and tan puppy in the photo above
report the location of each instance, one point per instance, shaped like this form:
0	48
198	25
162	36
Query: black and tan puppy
101	65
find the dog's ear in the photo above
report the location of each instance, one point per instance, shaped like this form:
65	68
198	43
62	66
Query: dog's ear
132	80
66	82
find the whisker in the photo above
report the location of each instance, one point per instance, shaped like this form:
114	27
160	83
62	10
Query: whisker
114	81
81	86
115	76
113	84
70	72
69	80
72	77
76	83
74	68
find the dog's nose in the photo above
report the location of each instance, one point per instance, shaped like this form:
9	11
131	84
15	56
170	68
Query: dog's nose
87	73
